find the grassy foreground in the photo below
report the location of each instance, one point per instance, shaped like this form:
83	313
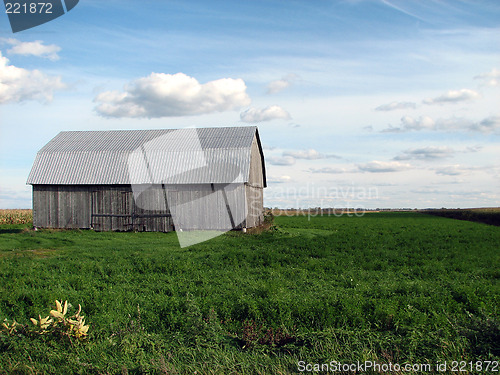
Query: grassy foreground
387	287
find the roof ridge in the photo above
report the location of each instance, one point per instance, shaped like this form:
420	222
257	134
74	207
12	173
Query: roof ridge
157	129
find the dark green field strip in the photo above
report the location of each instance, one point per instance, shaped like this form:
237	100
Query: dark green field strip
486	216
407	286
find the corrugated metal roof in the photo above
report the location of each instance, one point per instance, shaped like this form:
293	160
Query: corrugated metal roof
171	156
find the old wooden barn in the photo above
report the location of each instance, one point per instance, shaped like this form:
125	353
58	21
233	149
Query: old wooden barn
150	180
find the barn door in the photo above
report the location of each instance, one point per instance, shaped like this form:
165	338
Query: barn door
111	210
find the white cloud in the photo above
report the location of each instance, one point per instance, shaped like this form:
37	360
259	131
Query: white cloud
458	169
491	78
333	170
18	84
451	170
168	95
476	148
277	160
423	122
36	48
281	84
273	112
372	167
453	96
396	105
268	148
278	179
488	125
383	166
409	123
426	153
310	154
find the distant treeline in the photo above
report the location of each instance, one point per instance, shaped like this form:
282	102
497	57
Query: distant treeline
489	216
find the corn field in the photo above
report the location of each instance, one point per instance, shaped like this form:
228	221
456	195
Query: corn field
16	217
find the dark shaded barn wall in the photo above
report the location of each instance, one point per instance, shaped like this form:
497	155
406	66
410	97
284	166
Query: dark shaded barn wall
61	206
107	207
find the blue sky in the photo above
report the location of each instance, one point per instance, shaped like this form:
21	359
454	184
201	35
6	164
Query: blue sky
366	103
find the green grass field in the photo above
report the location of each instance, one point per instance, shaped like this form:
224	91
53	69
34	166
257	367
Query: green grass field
390	287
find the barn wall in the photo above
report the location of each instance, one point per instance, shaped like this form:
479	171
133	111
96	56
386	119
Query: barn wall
150	208
61	207
102	208
256	177
207	206
255	206
255	188
114	207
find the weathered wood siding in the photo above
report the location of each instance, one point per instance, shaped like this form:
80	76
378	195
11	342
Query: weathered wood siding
102	208
256	177
254	189
207	206
115	208
150	209
59	206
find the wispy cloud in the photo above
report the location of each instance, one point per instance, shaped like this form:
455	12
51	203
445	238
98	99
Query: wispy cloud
370	167
459	169
19	85
491	78
396	105
453	96
383	166
36	48
278	179
400	9
269	148
424	123
332	170
281	84
167	95
488	125
310	154
476	148
253	115
290	157
451	170
409	123
277	160
426	153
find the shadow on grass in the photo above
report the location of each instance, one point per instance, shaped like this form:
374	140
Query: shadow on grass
10	230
